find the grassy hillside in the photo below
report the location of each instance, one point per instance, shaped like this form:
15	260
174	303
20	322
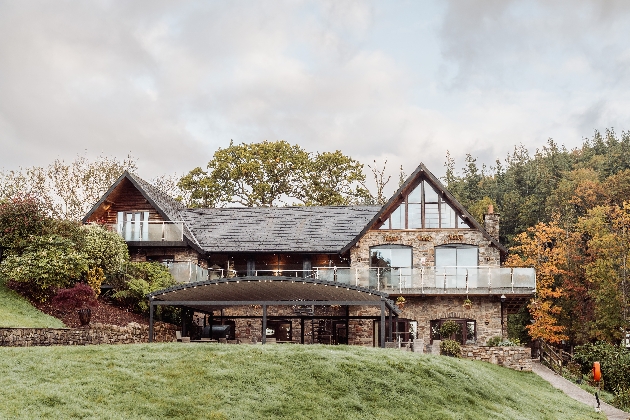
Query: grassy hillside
213	381
15	311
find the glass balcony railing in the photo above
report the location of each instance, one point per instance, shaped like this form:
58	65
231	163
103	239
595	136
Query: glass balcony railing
187	272
150	231
391	279
413	280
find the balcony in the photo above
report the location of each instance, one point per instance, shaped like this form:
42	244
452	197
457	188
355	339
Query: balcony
427	280
133	231
187	272
435	280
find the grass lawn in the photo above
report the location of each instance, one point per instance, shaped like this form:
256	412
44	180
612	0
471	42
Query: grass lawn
15	311
214	381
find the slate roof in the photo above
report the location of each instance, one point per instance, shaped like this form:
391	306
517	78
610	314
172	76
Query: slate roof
325	229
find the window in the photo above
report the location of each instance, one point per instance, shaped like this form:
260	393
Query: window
456	266
423	208
394	264
391	256
456	256
467	330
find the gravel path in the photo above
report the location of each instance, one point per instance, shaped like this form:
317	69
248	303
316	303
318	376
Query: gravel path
576	392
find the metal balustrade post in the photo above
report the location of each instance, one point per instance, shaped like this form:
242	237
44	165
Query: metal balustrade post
466	281
512	278
335	273
422	279
445	278
378	278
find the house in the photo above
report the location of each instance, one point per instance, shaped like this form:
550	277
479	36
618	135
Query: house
326	274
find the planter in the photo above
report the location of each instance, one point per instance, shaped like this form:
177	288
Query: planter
84	316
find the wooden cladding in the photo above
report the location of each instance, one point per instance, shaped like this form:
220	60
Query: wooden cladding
125	198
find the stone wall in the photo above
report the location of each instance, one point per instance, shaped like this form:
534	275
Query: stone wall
140	254
95	334
485	310
517	358
424	243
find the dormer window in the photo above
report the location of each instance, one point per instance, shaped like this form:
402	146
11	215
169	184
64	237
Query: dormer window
424	208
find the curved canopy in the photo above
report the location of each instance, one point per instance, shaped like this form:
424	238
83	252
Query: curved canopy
208	294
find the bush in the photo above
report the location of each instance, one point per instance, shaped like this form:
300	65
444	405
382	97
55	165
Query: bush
104	249
141	279
46	263
449	328
622	398
450	348
493	341
614	363
78	297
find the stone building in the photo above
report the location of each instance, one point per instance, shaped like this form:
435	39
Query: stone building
421	259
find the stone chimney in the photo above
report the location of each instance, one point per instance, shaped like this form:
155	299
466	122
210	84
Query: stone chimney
491	222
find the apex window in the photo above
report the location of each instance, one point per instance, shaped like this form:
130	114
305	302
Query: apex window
423	208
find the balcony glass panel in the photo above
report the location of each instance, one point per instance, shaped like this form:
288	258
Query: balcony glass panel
501	277
525	277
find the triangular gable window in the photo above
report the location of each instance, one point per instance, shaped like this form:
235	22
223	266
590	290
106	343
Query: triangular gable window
423	208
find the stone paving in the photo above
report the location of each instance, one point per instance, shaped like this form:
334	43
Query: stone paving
576	392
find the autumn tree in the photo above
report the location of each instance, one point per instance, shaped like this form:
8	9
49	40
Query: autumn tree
543	247
274	173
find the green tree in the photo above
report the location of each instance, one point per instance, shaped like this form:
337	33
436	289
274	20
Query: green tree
274	173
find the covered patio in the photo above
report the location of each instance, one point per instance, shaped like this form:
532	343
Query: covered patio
214	295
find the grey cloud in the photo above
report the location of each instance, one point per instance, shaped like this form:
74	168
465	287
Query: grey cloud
496	43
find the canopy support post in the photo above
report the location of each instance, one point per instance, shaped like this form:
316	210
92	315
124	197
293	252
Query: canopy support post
150	321
390	332
264	325
382	329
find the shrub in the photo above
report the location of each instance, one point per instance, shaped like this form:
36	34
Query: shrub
622	398
95	279
46	264
450	348
141	279
493	341
614	362
104	249
80	296
449	328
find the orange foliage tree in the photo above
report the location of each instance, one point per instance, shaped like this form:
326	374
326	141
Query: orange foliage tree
544	247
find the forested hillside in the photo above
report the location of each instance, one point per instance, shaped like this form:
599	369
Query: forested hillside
566	212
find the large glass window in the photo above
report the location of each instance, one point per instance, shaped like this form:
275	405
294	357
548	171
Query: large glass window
391	256
424	208
393	263
456	266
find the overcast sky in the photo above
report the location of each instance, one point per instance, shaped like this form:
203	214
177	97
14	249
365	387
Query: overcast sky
172	81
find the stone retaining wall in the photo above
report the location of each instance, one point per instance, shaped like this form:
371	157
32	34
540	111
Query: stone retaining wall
517	358
94	334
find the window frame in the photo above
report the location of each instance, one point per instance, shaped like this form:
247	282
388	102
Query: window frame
441	204
435	324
